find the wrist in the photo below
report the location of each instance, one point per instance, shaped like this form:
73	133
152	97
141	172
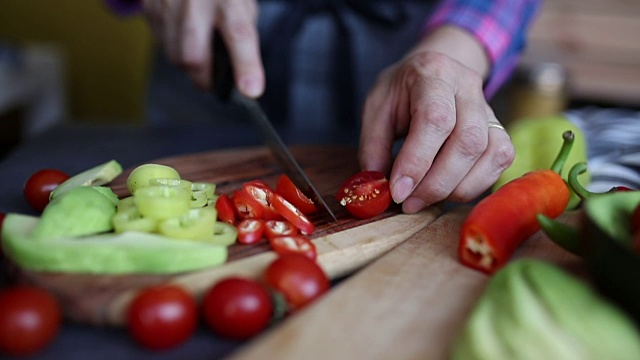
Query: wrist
458	44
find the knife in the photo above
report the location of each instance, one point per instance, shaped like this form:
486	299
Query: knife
224	87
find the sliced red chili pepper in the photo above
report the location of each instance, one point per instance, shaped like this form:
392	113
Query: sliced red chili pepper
292	194
250	231
295	244
292	214
275	228
246	206
501	221
226	210
263	194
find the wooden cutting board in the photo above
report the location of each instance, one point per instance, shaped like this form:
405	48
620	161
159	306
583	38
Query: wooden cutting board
408	304
343	246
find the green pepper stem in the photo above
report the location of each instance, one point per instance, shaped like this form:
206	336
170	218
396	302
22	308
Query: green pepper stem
563	235
567	144
575	185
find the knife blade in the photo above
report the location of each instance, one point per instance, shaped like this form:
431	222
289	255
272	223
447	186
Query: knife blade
225	89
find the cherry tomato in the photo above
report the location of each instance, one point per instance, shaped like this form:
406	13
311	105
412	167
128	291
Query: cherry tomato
246	206
296	244
30	319
275	228
292	194
237	308
250	231
261	192
226	212
292	214
38	187
161	317
365	194
298	278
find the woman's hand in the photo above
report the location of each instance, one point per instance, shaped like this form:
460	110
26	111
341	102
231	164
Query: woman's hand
455	147
185	29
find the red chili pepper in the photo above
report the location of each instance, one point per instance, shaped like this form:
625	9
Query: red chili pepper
500	222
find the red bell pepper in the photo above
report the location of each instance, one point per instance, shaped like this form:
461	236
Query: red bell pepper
500	222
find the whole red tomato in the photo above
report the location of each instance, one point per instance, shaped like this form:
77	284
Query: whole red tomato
161	317
30	319
365	194
38	187
298	278
237	308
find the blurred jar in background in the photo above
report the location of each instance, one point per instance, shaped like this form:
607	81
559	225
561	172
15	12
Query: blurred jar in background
538	90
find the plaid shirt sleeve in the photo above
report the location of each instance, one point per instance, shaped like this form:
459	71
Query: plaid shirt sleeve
500	26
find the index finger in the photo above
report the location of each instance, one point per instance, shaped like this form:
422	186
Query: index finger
237	25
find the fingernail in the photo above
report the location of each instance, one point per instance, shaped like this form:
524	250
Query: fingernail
402	188
251	87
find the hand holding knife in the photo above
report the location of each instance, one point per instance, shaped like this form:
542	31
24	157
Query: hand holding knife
224	87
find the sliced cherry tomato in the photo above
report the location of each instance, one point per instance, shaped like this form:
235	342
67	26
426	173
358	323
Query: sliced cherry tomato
365	194
226	212
39	186
250	231
275	228
237	308
30	319
260	191
161	317
293	244
246	206
292	214
299	279
292	194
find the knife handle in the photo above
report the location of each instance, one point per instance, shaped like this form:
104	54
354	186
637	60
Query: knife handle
223	79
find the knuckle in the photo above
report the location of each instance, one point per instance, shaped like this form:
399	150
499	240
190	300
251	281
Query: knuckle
475	140
504	155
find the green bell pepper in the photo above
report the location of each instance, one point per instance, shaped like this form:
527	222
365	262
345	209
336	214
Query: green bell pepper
534	310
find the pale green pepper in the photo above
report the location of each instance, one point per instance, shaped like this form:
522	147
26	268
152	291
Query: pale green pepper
536	145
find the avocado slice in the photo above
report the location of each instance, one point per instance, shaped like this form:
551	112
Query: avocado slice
96	176
83	210
125	253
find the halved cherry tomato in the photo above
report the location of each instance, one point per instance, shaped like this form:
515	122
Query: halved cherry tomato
237	308
292	214
163	316
250	231
365	194
226	212
293	244
39	186
246	206
30	319
299	279
275	228
292	194
262	192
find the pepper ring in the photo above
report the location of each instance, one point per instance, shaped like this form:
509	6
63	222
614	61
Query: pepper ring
496	125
